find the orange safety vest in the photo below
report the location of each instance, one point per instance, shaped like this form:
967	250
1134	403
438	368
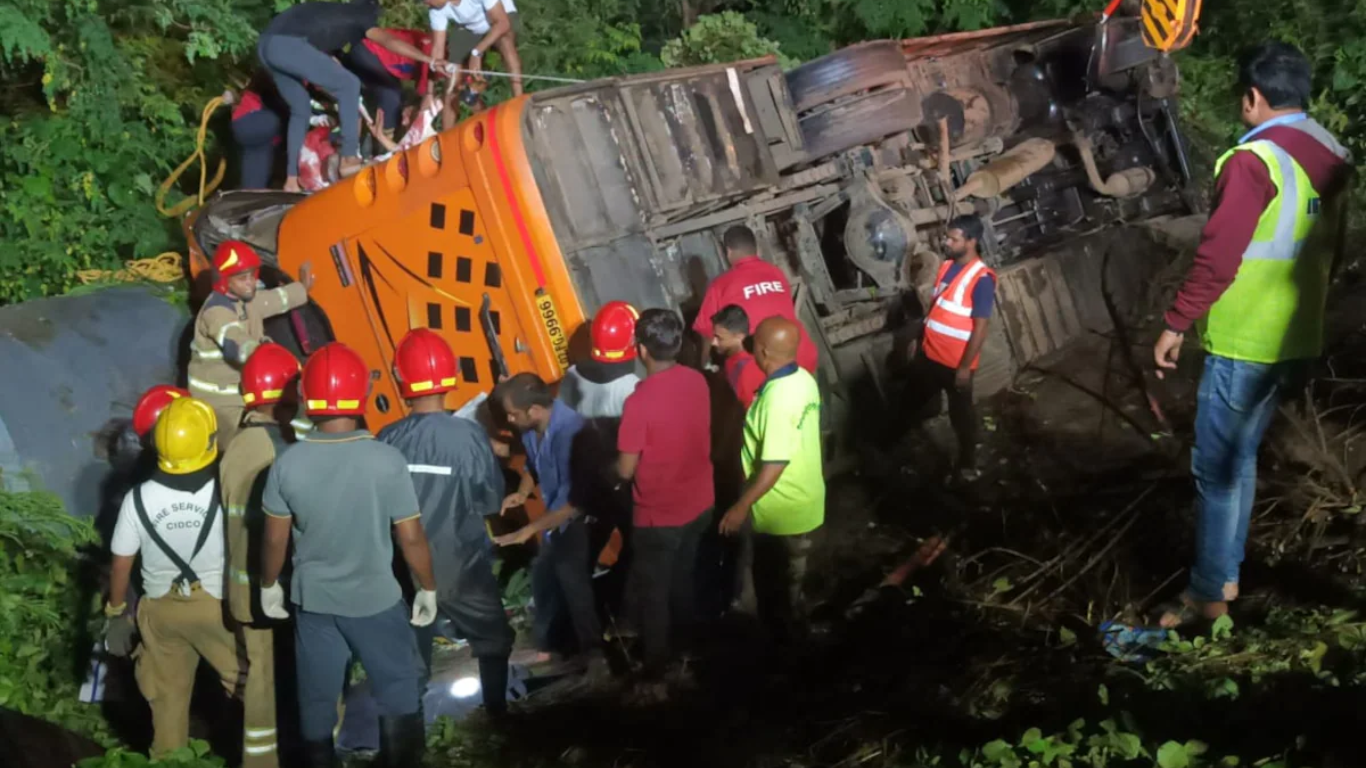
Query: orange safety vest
948	326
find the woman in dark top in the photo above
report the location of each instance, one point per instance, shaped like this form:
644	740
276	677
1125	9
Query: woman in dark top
301	44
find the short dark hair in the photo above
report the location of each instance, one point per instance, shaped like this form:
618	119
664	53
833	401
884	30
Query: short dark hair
525	390
733	318
1279	71
971	227
740	239
660	331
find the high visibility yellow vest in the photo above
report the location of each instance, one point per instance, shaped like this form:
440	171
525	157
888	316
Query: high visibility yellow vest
1274	309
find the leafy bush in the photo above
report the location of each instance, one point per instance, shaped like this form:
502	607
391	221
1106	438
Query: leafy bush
41	611
103	99
719	38
196	755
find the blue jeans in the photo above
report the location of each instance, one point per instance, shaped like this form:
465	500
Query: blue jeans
323	647
1236	402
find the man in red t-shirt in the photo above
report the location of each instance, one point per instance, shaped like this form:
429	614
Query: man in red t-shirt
665	450
760	288
730	328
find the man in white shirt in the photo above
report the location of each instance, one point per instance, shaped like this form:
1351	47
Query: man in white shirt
467	29
175	521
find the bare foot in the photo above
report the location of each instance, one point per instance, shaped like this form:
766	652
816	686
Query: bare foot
292	184
350	167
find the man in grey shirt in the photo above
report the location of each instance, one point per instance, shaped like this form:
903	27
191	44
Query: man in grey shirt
346	496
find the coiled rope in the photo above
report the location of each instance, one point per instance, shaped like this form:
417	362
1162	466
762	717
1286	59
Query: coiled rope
169	267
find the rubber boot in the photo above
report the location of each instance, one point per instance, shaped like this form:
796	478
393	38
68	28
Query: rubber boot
320	754
402	740
493	681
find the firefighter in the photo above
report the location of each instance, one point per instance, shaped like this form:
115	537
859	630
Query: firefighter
459	483
150	406
269	381
597	389
174	522
347	498
134	462
230	326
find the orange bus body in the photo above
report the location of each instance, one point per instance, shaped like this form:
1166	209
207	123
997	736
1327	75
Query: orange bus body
418	240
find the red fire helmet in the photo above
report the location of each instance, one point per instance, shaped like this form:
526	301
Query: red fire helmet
425	364
151	404
268	374
233	257
614	332
335	382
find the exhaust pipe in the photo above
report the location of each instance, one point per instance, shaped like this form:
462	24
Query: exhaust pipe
1010	168
1126	183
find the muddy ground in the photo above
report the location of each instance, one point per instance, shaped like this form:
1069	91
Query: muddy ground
1082	516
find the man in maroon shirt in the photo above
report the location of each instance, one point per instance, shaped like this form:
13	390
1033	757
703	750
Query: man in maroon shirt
665	445
1257	288
760	288
730	328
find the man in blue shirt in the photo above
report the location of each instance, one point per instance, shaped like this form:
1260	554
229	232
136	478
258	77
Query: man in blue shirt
561	572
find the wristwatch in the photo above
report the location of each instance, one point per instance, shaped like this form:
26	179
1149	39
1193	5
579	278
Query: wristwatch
475	53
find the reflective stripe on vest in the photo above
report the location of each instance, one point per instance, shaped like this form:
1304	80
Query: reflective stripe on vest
1273	311
948	325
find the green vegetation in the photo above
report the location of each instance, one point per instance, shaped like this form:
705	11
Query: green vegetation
42	661
197	755
103	97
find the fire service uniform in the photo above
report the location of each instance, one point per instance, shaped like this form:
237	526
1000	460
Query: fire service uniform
459	483
270	375
175	522
229	328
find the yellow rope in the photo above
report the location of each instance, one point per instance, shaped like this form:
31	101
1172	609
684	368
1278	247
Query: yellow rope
206	188
169	267
166	268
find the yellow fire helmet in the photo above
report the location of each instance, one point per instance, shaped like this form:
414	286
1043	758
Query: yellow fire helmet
186	436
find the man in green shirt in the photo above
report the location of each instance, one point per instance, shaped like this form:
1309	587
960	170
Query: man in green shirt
783	501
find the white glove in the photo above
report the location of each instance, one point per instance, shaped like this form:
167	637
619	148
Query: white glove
424	608
273	601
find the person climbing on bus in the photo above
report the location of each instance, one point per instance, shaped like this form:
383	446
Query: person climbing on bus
174	521
459	483
756	286
257	129
269	390
383	72
479	26
300	44
347	498
231	325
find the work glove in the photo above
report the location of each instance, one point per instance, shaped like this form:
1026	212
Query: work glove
120	631
424	608
273	601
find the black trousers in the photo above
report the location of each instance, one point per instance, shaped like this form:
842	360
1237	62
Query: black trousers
663	586
562	584
928	379
255	135
385	90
